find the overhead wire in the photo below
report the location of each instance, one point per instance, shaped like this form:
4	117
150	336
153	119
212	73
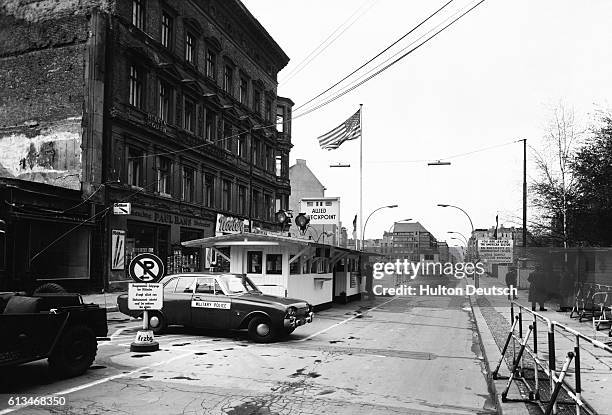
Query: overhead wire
316	52
375	57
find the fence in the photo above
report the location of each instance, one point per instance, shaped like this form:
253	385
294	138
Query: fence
537	355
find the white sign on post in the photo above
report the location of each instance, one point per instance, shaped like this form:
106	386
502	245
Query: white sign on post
123	208
145	296
323	211
495	251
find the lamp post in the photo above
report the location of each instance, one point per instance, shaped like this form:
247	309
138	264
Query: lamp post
460	234
370	215
476	276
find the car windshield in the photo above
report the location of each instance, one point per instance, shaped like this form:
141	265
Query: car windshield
237	284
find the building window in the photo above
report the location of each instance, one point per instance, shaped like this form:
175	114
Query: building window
163	176
254	259
255	152
165	100
257	101
269	207
167	30
241	149
228	72
274	263
269	159
227	136
268	115
278	166
242	195
135	87
135	167
138	14
190	48
187	187
226	191
209	190
255	202
211	64
244	91
189	115
280	119
209	133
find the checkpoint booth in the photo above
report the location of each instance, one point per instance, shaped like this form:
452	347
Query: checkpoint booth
289	267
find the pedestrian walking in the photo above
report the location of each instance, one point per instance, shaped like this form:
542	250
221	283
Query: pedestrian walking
511	281
537	288
566	287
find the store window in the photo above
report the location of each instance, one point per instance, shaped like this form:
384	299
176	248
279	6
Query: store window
143	237
66	258
274	263
186	259
254	261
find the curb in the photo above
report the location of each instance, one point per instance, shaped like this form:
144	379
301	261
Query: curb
490	350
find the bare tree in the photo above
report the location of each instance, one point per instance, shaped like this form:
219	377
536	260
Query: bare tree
554	189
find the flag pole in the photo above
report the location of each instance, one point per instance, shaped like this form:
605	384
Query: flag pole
361	174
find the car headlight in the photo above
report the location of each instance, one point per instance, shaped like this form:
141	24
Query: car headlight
291	311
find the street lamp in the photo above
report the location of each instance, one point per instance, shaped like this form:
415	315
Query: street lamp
462	235
476	276
460	240
366	222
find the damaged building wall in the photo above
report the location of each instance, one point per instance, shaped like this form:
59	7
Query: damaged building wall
43	79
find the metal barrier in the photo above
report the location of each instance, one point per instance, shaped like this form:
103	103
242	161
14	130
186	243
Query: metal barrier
530	353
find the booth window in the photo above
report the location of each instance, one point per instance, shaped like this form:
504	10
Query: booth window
274	264
296	266
254	259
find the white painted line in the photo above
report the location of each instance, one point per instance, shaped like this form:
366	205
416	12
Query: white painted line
342	322
100	381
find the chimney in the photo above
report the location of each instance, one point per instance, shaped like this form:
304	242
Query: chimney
300	162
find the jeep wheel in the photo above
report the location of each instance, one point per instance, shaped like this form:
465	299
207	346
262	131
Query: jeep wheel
49	288
287	331
261	330
75	351
157	322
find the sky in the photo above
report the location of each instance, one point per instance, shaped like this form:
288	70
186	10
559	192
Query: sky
494	77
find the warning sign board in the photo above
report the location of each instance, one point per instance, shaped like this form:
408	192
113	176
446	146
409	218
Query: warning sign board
496	251
145	296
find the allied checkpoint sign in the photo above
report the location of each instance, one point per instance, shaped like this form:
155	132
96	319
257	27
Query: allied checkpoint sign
321	211
146	293
495	251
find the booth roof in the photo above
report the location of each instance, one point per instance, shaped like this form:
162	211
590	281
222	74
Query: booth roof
255	238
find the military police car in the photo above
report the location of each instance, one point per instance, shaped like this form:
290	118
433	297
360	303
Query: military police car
224	301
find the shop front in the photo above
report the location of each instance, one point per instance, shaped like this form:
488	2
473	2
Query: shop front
160	233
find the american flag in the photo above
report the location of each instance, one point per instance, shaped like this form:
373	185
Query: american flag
348	130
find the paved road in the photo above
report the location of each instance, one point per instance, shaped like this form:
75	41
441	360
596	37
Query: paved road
399	355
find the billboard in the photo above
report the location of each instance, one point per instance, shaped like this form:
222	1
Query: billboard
495	251
321	211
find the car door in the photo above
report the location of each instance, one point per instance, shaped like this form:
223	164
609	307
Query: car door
210	307
177	300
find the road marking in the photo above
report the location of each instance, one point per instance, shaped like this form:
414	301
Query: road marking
100	381
342	322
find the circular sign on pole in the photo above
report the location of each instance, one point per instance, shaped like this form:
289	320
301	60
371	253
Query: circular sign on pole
147	268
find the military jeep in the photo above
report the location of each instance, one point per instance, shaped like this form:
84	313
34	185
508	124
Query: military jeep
53	326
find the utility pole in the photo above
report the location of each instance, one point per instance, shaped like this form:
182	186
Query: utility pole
524	194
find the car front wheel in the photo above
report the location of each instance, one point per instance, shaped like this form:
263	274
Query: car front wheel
261	330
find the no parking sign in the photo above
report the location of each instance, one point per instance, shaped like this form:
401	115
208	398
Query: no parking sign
147	268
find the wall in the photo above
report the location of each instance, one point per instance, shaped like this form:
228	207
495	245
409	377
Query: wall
42	60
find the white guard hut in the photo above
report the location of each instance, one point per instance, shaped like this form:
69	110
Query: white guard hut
290	267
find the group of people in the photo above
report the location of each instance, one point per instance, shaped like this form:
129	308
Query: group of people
544	286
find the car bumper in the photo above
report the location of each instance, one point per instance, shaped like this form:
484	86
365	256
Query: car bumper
293	321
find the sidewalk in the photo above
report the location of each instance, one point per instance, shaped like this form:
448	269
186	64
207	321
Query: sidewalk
105	300
492	315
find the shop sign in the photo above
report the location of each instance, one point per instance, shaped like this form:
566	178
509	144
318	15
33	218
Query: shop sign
166	218
229	224
122	208
118	250
323	211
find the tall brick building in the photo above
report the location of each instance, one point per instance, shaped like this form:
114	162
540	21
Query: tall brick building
168	105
